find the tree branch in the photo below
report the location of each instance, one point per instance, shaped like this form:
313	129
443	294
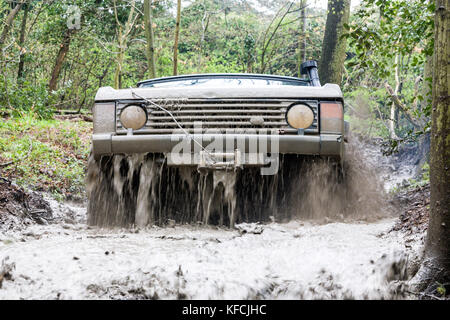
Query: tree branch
401	106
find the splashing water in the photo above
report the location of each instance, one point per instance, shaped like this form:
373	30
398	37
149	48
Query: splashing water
293	260
141	190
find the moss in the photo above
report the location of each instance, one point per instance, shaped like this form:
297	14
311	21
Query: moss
333	50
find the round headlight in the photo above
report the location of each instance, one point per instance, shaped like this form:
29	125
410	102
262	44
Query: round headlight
133	117
300	116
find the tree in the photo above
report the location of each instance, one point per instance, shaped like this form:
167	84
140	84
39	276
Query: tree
269	36
302	36
47	66
393	118
333	50
9	21
123	31
68	28
390	44
206	18
177	33
437	249
149	35
61	56
22	42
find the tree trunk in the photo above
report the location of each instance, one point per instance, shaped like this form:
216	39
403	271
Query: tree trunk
8	23
148	21
393	118
436	266
177	33
64	48
119	62
333	49
205	24
21	44
302	37
427	84
249	51
122	36
427	94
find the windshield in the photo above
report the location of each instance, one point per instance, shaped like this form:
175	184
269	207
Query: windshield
222	82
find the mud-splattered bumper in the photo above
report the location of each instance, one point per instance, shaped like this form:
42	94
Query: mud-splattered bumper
323	144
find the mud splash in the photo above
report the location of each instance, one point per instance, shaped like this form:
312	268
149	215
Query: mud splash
295	260
357	193
141	190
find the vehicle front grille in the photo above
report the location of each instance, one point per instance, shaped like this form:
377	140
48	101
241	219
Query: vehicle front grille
218	116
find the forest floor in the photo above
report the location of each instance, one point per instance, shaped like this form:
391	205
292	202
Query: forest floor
415	204
48	252
46	155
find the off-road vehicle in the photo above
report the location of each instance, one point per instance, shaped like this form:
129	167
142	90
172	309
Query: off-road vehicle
213	122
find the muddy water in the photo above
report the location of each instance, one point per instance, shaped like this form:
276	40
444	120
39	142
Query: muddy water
355	194
351	255
141	190
294	260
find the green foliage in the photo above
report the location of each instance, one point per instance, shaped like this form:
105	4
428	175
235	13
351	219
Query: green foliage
46	155
221	36
390	42
364	111
28	99
216	36
382	29
441	290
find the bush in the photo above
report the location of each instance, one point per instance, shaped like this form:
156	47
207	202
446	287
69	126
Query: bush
27	98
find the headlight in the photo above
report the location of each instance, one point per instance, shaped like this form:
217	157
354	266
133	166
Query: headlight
133	117
300	116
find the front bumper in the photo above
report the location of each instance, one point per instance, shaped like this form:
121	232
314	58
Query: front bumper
323	144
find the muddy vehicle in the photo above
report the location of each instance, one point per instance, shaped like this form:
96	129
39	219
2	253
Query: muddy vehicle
181	148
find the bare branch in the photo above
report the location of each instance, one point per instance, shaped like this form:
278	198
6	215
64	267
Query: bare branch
401	106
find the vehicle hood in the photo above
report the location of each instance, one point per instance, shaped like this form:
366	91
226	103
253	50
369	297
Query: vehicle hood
328	91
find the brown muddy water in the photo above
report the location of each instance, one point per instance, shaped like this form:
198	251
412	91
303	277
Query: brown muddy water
326	238
141	190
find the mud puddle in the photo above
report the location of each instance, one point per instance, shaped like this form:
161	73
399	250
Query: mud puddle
300	259
296	260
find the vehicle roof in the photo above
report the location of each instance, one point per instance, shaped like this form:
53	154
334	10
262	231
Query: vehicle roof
327	91
222	75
